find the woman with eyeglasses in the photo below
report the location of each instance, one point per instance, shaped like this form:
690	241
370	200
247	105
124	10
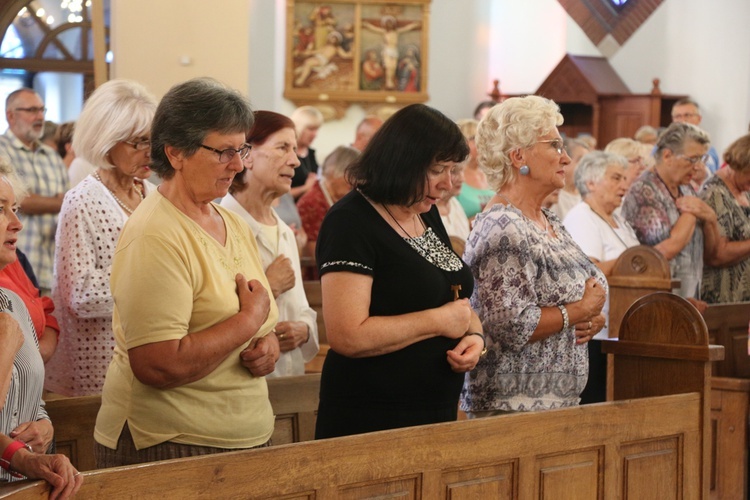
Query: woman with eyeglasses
665	212
538	294
192	313
267	176
726	272
113	134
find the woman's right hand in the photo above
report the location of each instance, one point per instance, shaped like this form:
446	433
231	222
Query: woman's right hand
255	303
11	336
696	206
455	318
280	274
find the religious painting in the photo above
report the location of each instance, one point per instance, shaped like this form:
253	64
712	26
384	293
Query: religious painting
357	51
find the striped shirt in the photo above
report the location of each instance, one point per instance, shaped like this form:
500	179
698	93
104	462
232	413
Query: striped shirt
24	402
44	174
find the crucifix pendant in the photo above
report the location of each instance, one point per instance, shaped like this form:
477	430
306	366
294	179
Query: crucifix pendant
455	289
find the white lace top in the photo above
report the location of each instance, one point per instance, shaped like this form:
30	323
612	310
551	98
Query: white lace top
87	232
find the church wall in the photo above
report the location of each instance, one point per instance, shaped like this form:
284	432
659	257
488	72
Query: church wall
693	49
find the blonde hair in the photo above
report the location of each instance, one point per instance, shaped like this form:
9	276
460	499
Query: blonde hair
516	123
305	117
624	146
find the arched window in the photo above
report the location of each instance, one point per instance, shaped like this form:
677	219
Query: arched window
49	45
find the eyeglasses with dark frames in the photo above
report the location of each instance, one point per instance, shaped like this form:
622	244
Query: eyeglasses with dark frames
33	110
139	145
226	155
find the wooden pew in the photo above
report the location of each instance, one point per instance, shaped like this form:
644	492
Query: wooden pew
294	401
315	299
728	326
630	449
642	270
638	271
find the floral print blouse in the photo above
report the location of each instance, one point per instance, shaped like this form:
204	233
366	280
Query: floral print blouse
518	269
731	283
649	207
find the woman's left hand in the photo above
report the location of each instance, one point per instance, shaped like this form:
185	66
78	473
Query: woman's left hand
465	356
261	356
37	434
291	334
585	330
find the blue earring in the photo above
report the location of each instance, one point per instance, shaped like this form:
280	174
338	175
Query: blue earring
524	170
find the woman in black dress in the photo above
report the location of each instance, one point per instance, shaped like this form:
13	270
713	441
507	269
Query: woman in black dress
395	295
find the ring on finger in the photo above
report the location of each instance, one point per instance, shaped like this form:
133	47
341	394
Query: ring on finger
590	325
281	337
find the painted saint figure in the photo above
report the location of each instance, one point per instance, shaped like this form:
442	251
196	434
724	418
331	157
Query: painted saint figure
388	28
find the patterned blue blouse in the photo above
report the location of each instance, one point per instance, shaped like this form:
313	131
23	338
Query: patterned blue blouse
518	269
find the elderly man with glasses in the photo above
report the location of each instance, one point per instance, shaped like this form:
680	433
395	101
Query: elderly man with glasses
687	111
44	174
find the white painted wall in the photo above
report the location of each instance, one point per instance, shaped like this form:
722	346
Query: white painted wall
160	43
697	48
694	47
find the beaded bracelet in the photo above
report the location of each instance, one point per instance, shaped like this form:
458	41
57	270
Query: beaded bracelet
566	320
11	450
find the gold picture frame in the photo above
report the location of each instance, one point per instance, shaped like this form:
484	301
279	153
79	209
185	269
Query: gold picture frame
372	52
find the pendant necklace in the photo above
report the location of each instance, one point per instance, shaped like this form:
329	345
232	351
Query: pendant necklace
679	193
127	209
414	243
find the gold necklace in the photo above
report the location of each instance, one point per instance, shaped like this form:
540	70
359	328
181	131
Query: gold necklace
127	209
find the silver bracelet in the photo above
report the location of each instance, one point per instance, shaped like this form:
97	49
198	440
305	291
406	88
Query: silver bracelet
566	320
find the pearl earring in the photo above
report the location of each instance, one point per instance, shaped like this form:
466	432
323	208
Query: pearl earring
524	170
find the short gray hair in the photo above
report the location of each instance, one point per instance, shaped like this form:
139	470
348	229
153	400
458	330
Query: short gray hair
119	110
191	110
337	161
675	137
592	167
306	116
516	123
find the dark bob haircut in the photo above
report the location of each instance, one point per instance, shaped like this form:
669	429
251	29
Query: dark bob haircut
392	169
265	125
191	110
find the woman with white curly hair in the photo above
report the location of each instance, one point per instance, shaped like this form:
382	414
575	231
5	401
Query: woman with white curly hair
538	294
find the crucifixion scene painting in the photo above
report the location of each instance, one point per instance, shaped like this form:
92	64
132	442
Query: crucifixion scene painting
390	52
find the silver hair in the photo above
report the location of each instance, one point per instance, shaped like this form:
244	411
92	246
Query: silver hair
119	110
337	162
516	123
592	168
16	183
675	137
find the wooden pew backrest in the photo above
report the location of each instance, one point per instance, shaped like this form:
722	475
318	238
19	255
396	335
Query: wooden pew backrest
294	401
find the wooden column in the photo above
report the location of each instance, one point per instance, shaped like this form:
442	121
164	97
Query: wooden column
101	72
